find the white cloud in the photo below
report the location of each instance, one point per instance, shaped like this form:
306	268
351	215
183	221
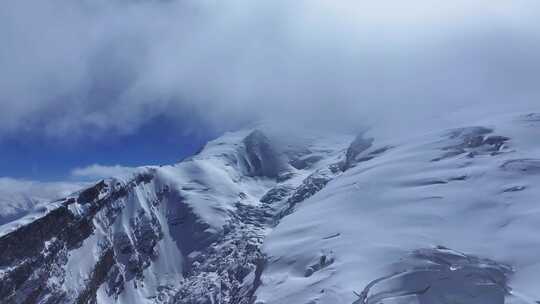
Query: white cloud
97	171
89	67
42	190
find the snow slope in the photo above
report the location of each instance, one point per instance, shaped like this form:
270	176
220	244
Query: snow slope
443	217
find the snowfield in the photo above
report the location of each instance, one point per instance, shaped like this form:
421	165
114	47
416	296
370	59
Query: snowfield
273	217
471	191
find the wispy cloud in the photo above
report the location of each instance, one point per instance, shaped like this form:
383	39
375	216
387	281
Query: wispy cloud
84	68
97	171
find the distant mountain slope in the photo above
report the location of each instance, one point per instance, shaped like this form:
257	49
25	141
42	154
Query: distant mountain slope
19	197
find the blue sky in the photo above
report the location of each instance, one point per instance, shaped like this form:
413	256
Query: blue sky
160	141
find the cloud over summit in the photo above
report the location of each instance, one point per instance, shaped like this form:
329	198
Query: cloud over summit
80	67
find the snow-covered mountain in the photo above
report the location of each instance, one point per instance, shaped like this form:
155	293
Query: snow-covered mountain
261	216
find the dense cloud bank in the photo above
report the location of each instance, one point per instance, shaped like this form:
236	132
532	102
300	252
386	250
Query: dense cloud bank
88	67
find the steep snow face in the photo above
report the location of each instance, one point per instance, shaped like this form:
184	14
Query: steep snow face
444	217
187	233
